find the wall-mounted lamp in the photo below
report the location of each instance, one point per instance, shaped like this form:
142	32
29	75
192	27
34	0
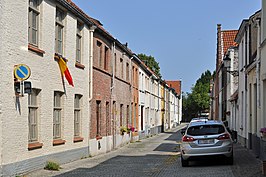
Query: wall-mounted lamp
227	61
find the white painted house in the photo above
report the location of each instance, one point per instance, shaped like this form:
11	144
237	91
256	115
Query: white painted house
50	123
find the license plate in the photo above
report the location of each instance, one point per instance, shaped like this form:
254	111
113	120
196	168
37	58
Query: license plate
206	141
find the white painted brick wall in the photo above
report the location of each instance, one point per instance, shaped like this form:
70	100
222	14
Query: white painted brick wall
45	75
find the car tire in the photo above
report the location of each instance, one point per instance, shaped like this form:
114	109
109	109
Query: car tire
230	160
184	163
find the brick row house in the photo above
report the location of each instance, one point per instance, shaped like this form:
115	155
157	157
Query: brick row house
82	92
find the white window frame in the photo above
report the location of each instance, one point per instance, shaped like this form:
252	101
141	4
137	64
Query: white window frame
33	105
77	115
79	43
33	22
59	31
57	115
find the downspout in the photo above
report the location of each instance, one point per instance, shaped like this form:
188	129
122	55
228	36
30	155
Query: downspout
133	105
91	30
111	99
258	20
113	69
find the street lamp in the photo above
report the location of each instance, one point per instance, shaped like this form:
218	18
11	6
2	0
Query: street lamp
227	63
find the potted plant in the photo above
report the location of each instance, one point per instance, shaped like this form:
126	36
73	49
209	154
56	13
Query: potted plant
123	130
263	132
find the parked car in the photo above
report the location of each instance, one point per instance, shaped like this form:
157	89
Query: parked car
196	119
206	138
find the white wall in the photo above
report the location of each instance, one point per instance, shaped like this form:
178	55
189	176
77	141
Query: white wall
45	75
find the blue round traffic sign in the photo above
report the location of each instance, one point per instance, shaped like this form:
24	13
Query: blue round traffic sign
22	72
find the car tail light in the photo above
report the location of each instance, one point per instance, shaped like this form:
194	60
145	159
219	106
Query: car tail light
187	139
225	136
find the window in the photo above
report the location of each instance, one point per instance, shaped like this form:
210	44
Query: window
99	53
106	58
98	117
107	113
127	70
121	114
133	75
77	115
121	66
59	26
33	22
128	120
57	115
33	115
205	130
78	42
115	65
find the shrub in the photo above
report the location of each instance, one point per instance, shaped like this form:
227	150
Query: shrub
52	166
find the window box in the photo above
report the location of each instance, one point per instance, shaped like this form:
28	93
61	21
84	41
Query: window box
35	145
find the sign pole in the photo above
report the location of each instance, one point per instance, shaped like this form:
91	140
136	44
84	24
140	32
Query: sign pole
22	88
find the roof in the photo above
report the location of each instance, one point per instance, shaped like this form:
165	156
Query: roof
209	122
228	39
176	85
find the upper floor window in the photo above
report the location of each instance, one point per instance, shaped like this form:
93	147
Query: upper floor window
115	65
121	67
127	72
78	42
59	26
106	53
33	22
99	53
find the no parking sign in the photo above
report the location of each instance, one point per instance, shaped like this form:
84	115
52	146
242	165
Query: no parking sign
22	72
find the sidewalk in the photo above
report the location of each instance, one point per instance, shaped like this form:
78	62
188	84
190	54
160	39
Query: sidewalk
96	160
245	162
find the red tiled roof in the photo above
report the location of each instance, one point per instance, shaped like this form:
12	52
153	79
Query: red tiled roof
175	85
228	39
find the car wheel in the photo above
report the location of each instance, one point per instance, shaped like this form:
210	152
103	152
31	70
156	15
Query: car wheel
184	162
230	160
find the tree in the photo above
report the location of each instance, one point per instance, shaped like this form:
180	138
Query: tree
151	63
198	100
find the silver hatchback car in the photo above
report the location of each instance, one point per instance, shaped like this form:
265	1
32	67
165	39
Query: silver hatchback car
206	138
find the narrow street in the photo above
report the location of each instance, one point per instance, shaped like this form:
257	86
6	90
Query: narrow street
157	156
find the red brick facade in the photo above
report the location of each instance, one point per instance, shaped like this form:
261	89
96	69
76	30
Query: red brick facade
100	124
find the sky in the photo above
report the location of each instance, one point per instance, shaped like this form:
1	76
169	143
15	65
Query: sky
180	34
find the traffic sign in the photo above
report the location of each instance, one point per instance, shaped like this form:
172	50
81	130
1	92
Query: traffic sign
22	72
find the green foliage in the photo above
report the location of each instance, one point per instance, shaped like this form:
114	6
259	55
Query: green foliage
198	100
52	166
151	63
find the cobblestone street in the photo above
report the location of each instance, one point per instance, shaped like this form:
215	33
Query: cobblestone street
157	156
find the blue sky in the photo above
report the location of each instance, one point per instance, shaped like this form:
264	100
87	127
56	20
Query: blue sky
180	34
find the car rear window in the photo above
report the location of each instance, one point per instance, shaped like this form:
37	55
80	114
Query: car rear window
205	130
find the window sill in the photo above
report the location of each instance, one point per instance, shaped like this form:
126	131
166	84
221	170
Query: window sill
58	142
78	139
78	65
36	145
98	137
35	49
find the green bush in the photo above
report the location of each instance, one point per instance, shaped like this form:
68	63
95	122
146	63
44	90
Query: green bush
52	166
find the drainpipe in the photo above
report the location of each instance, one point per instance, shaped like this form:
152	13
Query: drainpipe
113	127
258	20
90	70
113	69
133	105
